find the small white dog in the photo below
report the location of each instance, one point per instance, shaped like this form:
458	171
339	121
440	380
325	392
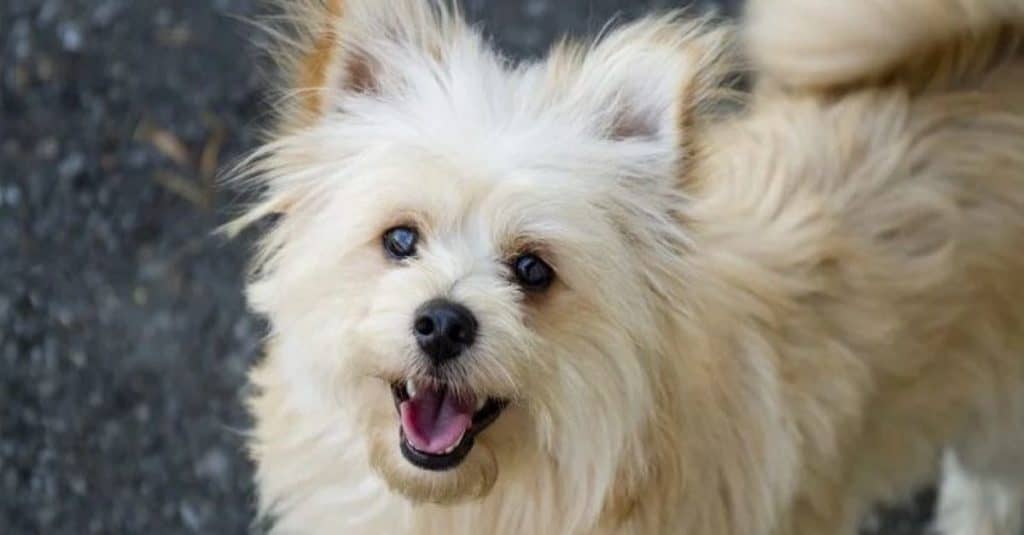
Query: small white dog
554	299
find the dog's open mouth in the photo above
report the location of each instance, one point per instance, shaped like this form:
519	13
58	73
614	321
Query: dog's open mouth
437	427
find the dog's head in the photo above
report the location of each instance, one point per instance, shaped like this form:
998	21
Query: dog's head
466	268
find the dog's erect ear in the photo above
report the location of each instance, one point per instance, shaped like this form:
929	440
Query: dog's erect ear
328	50
313	53
652	79
344	46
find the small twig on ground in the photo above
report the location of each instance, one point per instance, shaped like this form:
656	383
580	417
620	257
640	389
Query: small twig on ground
165	142
184	188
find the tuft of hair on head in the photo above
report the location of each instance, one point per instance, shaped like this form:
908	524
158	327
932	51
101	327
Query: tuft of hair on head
828	45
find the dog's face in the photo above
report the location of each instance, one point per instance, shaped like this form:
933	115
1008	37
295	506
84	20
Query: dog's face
466	270
460	318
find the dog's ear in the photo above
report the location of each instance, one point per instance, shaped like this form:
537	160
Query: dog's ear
311	54
328	50
653	79
348	47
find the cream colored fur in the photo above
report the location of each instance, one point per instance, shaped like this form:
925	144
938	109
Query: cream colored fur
883	166
760	326
825	43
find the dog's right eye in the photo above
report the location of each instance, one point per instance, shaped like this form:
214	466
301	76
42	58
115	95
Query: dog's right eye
533	273
400	242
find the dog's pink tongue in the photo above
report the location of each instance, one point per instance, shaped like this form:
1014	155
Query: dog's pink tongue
434	421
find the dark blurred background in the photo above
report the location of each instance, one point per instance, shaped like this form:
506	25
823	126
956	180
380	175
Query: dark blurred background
124	340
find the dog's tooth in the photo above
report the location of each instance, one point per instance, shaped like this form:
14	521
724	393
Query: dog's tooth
410	387
480	402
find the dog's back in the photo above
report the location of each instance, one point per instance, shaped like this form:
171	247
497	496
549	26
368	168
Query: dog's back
879	179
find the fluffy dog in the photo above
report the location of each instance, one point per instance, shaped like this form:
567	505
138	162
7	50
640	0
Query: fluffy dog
555	298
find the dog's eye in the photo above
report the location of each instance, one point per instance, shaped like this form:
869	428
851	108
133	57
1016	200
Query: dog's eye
400	242
533	273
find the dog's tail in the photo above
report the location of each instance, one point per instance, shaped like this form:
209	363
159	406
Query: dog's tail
835	44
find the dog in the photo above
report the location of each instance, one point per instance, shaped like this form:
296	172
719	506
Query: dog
571	297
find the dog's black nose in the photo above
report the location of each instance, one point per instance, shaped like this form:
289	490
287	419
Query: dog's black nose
444	329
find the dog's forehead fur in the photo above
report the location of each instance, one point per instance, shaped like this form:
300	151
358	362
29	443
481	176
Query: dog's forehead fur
499	124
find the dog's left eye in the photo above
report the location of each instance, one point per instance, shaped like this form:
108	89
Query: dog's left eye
400	242
533	273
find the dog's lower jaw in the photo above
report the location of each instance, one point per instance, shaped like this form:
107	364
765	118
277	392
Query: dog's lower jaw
473	479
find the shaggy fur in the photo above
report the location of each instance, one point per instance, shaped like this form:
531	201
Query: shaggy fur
865	219
760	326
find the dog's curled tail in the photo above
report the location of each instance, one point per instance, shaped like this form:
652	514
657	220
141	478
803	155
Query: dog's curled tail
835	44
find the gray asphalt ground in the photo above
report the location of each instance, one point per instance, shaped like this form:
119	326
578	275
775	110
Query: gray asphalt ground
123	335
